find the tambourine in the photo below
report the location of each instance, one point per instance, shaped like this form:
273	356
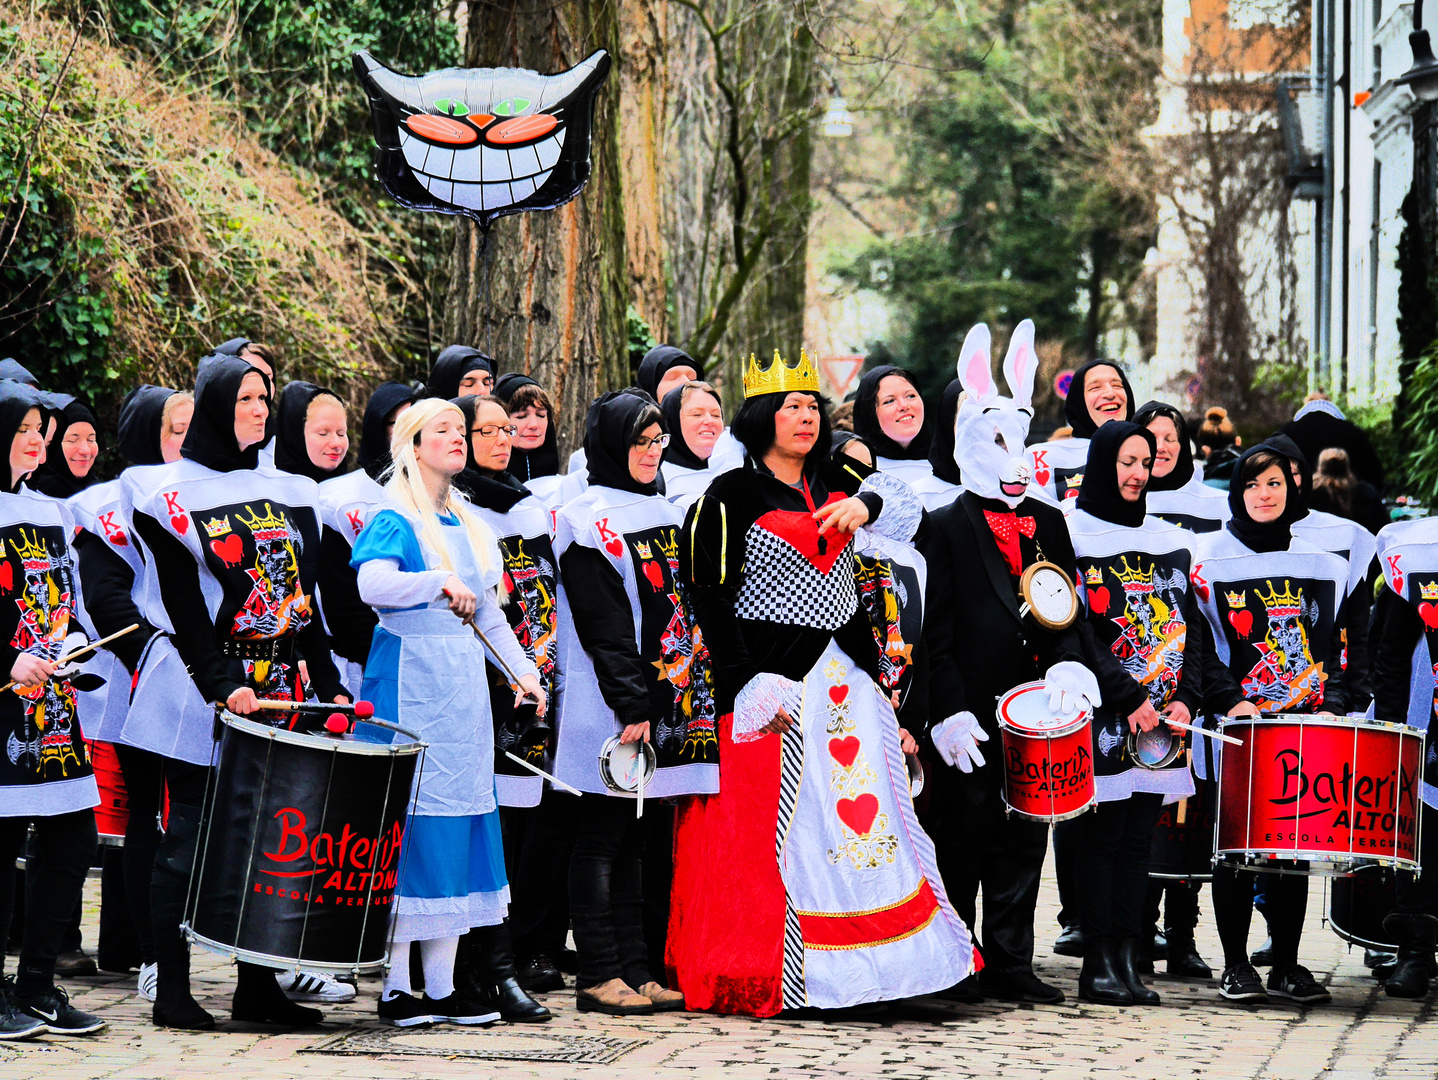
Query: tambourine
619	765
1156	749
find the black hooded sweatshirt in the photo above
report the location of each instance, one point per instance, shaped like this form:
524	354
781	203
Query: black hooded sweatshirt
497	491
373	456
526	465
291	453
1182	471
656	364
1099	494
1076	412
17	399
678	451
142	415
866	419
452	364
610	427
1273	535
941	450
55	478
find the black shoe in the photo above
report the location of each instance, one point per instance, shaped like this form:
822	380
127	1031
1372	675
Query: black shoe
461	1008
517	1007
1263	955
53	1007
539	975
174	1007
485	971
1411	970
1128	970
14	1024
1018	986
1069	942
567	961
1242	983
965	992
1296	983
403	1010
1100	981
259	1000
69	965
1376	958
1184	961
1157	945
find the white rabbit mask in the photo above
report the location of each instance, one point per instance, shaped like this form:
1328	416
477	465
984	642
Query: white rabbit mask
989	430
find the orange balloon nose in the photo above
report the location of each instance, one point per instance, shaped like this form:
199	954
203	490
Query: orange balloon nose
441	129
521	129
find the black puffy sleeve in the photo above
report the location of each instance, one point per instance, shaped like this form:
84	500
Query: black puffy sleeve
604	623
1398	628
350	620
711	560
108	584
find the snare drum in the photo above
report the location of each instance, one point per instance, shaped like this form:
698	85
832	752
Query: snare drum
1048	761
619	765
300	845
1337	794
112	816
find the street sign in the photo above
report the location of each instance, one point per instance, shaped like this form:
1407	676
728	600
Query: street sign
841	372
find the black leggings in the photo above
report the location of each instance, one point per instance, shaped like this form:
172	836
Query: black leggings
1111	864
606	892
1284	907
175	855
539	882
54	878
144	774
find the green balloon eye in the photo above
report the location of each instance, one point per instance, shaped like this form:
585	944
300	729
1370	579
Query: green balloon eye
510	106
451	107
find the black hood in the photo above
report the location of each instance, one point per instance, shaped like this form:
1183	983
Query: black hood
13	369
612	423
656	364
211	439
141	416
678	451
54	478
1099	495
373	456
842	472
866	418
1290	449
16	399
1076	412
497	491
526	465
453	363
233	347
1182	471
291	453
941	450
1268	535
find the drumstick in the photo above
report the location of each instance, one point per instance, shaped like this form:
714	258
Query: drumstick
639	806
81	652
1202	731
535	769
361	710
504	666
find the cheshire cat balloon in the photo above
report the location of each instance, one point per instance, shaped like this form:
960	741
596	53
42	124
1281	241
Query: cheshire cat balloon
483	142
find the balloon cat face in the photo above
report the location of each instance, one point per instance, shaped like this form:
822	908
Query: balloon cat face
483	142
989	430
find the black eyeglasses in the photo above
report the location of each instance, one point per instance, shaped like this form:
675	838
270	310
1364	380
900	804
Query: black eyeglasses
491	431
642	444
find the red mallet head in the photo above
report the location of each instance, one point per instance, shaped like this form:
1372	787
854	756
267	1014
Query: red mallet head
364	710
336	724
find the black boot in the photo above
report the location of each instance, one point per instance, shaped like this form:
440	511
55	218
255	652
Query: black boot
486	958
174	1007
1130	951
1099	980
1416	936
1183	958
259	1000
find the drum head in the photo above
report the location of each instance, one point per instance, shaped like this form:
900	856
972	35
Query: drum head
1026	709
620	763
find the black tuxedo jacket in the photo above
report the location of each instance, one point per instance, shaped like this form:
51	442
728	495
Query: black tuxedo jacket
978	644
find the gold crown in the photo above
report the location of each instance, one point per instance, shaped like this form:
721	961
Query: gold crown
1236	599
1429	590
218	526
1093	575
269	523
1132	580
780	377
642	547
1285	602
32	549
670	548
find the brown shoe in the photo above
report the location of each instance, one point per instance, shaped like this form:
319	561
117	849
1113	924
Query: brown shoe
614	998
664	1000
75	963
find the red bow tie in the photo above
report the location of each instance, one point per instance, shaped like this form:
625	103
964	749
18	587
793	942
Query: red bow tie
1006	528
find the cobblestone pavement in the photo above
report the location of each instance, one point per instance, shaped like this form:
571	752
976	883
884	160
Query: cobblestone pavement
1362	1034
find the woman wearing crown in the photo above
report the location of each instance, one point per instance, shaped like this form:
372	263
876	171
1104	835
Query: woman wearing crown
806	881
1274	604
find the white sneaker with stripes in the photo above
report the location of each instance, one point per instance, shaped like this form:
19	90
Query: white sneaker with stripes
314	986
149	980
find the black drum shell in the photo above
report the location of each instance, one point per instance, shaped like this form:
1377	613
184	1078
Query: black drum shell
1183	851
1357	906
345	802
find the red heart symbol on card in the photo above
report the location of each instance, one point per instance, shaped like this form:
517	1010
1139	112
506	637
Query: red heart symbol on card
837	694
844	751
230	550
1042	476
1429	613
615	547
1242	621
858	813
7	576
119	539
1098	599
180	523
654	574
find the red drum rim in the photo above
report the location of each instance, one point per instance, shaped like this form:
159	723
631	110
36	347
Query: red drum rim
279	963
336	744
1052	819
1008	723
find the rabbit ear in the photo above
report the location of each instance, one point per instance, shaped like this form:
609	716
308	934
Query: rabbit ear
1021	364
975	372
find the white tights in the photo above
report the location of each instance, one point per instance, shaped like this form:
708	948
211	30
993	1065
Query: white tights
436	957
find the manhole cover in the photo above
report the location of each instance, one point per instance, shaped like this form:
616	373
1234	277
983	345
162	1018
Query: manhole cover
497	1045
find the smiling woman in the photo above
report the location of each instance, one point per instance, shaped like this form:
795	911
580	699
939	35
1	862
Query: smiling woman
70	460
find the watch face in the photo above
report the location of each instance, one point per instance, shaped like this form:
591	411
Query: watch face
1050	595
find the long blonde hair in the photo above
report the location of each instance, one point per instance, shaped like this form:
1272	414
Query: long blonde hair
405	485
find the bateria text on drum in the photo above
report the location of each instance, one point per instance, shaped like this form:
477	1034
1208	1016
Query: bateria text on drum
1048	760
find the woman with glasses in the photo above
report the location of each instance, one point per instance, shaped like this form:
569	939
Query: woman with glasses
633	669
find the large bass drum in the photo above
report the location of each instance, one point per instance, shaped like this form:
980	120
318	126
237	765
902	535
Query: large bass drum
1358	905
300	845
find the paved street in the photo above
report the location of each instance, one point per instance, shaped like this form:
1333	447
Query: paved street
1363	1034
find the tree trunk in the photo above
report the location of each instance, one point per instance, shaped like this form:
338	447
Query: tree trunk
544	292
643	101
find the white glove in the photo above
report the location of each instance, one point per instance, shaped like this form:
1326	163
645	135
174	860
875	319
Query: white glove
760	701
957	741
74	641
1071	688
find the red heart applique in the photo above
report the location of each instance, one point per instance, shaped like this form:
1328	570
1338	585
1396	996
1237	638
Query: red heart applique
1042	476
858	813
7	576
1098	599
801	532
844	751
837	694
1429	613
230	550
1242	621
654	574
119	539
180	523
615	547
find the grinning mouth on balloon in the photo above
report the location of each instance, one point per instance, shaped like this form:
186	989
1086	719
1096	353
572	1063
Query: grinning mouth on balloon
479	160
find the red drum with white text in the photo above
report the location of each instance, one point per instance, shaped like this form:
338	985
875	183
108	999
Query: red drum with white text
1048	760
112	816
